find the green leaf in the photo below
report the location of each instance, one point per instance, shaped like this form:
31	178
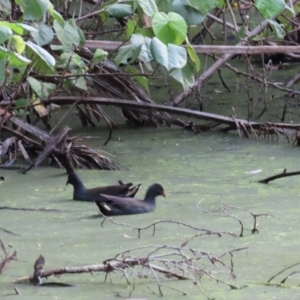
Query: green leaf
78	63
145	54
67	84
71	61
169	28
146	32
18	74
10	73
160	52
270	9
164	5
5	34
13	26
128	54
149	7
177	56
131	26
43	35
139	48
79	31
171	56
42	89
142	80
54	14
17	60
67	34
22	102
99	56
204	5
103	16
191	15
193	56
18	43
20	112
33	10
79	81
42	54
185	76
119	10
278	29
107	3
26	27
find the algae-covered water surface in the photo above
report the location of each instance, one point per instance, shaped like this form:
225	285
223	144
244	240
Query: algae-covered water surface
199	174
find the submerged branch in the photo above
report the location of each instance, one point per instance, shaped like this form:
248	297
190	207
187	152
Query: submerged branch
281	175
153	226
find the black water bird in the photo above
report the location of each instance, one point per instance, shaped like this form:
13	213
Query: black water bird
83	194
117	206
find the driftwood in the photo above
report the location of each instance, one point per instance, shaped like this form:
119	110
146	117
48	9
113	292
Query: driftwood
281	175
106	267
171	262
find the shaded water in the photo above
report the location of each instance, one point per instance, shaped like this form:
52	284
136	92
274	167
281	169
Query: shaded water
210	167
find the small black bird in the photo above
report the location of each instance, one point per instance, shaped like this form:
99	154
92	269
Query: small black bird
83	194
117	206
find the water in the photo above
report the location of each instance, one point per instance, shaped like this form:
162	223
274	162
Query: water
205	170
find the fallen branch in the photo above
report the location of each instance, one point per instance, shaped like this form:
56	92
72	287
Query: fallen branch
232	122
224	207
153	226
281	175
169	261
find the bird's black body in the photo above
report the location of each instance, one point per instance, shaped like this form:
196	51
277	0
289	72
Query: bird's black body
81	193
116	206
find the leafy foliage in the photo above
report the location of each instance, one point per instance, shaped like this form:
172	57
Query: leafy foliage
157	30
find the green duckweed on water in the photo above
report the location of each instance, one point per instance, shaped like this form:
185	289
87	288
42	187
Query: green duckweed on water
205	170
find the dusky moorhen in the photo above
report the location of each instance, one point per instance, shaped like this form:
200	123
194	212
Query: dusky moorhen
117	206
83	194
